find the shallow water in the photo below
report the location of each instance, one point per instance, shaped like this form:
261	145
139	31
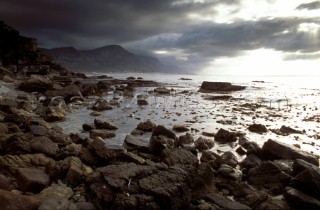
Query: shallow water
283	102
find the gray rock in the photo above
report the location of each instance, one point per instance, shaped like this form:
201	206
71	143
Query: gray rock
225	136
146	126
16	144
102	134
38	130
32	180
179	156
228	158
300	200
229	172
250	161
101	105
180	128
258	128
105	152
104	125
207	87
136	143
286	151
158	144
185	139
160	130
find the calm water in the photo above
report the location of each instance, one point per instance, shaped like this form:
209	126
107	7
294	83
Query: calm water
294	98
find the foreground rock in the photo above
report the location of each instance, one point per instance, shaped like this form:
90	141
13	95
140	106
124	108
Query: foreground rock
9	200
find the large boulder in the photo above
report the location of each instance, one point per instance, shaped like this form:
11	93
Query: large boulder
134	143
43	145
207	87
300	200
286	151
160	130
179	156
158	144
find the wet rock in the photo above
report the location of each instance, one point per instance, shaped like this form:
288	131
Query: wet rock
250	161
208	134
142	102
146	126
224	203
36	84
59	138
137	132
229	172
85	206
306	178
102	134
11	200
106	152
32	180
104	125
184	139
158	144
180	128
44	145
241	151
207	87
101	105
135	143
163	131
208	156
203	144
179	156
300	200
53	114
225	136
8	105
95	114
7	183
3	129
257	128
88	127
268	175
77	171
162	90
286	151
132	158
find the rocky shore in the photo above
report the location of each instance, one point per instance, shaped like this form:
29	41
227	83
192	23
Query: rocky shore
44	168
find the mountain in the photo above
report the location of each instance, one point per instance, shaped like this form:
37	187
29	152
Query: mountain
111	58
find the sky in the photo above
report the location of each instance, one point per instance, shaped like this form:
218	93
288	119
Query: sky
228	37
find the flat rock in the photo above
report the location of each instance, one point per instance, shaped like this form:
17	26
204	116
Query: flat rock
43	145
179	156
136	143
102	134
104	125
180	128
105	152
286	151
160	130
207	87
225	203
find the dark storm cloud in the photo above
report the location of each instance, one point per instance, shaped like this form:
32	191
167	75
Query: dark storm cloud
92	23
310	6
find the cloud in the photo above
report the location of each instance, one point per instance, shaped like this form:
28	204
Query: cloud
310	6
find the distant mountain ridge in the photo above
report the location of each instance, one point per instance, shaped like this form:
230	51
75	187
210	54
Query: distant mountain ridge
111	58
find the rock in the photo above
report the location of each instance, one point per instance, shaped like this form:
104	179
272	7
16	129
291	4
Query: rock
207	87
104	125
8	105
59	138
85	206
136	132
146	126
38	130
288	130
158	144
185	139
306	178
77	171
208	134
229	172
225	203
132	158
142	102
286	151
257	128
87	127
268	175
180	128
203	144
11	200
7	183
170	187
25	161
250	161
228	158
7	79
225	136
135	143
3	129
101	105
208	156
179	156
44	145
163	131
162	90
102	134
32	180
299	200
106	152
241	151
204	178
36	84
54	113
16	144
95	114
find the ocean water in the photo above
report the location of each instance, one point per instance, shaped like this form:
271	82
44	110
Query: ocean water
291	101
